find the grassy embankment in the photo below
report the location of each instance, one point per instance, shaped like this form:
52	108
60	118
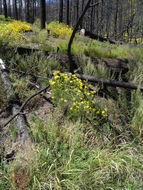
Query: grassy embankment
80	149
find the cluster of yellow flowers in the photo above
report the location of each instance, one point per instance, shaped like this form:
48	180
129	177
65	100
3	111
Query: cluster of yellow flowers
60	30
68	89
19	27
13	31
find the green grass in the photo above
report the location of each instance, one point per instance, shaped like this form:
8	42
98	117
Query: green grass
3	102
72	154
66	157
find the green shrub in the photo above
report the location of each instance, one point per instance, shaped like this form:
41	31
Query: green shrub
37	63
68	89
3	101
99	70
62	159
60	30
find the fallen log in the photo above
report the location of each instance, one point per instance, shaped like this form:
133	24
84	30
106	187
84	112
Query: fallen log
117	65
125	85
19	121
100	38
26	50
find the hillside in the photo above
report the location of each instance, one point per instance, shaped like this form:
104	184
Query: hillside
72	131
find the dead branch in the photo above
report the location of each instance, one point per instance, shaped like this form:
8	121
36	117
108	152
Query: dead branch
72	63
42	95
100	38
111	83
24	104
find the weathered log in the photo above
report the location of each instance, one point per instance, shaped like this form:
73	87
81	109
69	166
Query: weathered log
19	121
117	65
26	50
100	38
125	85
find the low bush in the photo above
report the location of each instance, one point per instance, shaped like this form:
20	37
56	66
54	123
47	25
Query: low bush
62	159
12	32
68	89
3	101
59	30
3	19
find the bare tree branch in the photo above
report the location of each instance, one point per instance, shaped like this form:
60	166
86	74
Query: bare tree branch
24	104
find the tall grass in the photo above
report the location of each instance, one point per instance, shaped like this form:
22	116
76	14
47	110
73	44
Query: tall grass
63	159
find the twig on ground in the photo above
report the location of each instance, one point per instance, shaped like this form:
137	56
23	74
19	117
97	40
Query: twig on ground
24	104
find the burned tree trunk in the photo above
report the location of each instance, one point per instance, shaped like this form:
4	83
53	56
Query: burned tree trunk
98	37
43	13
72	63
68	10
61	11
5	8
111	83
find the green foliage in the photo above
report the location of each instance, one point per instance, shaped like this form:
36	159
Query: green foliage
3	101
37	64
137	110
22	90
39	38
70	154
136	68
37	26
105	50
68	89
60	30
62	159
99	70
12	33
13	132
3	19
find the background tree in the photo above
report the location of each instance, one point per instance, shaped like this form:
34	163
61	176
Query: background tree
43	13
27	5
61	11
114	19
5	8
68	10
16	10
72	64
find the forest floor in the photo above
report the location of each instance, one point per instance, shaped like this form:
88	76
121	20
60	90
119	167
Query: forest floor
82	135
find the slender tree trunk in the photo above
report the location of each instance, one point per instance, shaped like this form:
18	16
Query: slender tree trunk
61	11
27	10
5	8
77	10
121	20
43	13
97	19
9	8
0	6
33	9
82	8
132	10
68	9
16	10
72	64
102	17
20	9
116	19
91	18
109	19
